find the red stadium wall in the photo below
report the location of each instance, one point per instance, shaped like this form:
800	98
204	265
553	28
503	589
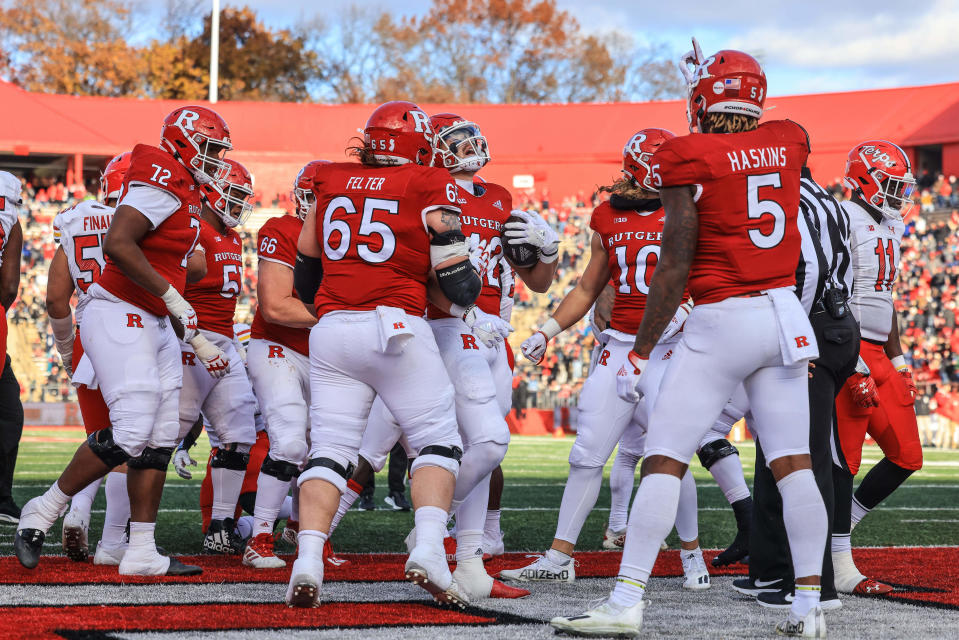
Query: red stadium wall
567	148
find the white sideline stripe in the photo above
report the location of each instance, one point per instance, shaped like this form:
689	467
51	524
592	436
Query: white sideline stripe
537	485
952	521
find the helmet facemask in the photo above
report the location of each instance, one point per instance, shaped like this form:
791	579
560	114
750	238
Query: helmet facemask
462	137
231	203
894	195
207	164
305	200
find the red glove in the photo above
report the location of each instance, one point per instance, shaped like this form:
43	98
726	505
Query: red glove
906	374
864	392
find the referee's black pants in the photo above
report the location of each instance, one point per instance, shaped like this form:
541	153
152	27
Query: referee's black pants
11	428
768	546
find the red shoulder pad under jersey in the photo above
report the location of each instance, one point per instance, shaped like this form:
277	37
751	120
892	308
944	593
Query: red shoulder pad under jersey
370	225
747	207
214	296
482	218
157	168
276	240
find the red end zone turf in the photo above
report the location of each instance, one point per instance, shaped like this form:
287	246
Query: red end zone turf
927	576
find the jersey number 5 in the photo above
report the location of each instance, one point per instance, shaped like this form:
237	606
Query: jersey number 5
758	209
88	254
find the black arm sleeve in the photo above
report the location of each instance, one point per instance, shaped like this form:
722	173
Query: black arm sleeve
460	283
307	275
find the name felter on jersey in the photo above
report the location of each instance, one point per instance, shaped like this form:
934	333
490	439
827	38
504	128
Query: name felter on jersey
80	230
276	242
875	263
632	240
482	218
214	296
172	239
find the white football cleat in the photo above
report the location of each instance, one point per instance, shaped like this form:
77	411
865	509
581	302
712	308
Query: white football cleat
259	553
614	539
812	626
75	544
305	582
604	621
541	570
427	568
694	568
109	556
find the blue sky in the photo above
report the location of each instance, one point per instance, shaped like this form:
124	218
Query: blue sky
806	47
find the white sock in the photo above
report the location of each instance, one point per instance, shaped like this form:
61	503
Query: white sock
728	473
469	545
858	513
627	592
558	558
805	600
310	545
227	484
841	542
244	526
687	514
349	496
492	527
430	526
286	509
270	492
804	515
118	510
142	537
477	463
650	521
471	513
50	506
622	477
83	500
579	498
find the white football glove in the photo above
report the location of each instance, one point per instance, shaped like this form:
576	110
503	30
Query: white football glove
677	322
211	356
488	328
534	231
627	378
182	311
180	461
534	347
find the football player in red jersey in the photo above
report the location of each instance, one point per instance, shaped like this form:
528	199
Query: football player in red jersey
471	342
76	265
279	366
624	248
379	231
227	402
731	195
880	177
152	234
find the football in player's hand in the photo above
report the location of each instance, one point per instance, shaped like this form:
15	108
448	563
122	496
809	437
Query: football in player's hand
523	254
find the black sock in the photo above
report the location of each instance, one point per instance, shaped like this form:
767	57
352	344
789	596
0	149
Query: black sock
842	490
880	482
744	511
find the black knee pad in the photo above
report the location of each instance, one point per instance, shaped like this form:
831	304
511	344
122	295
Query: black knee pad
345	472
438	450
102	445
279	469
152	458
227	457
711	453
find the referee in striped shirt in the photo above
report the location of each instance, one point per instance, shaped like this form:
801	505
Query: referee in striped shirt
823	284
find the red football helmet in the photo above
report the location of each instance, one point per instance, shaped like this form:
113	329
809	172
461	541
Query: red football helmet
111	180
455	136
639	151
726	82
198	138
399	132
303	188
879	172
230	197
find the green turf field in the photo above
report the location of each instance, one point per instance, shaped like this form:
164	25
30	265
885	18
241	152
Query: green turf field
925	511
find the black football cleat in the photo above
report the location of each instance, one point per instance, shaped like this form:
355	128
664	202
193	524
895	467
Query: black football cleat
735	552
177	568
27	544
222	538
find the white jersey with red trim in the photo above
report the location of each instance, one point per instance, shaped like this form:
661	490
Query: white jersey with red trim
875	264
80	230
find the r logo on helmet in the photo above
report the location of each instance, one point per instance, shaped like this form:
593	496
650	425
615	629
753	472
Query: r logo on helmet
186	119
421	121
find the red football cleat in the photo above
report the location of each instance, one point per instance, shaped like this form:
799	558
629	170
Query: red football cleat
870	587
506	592
329	557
